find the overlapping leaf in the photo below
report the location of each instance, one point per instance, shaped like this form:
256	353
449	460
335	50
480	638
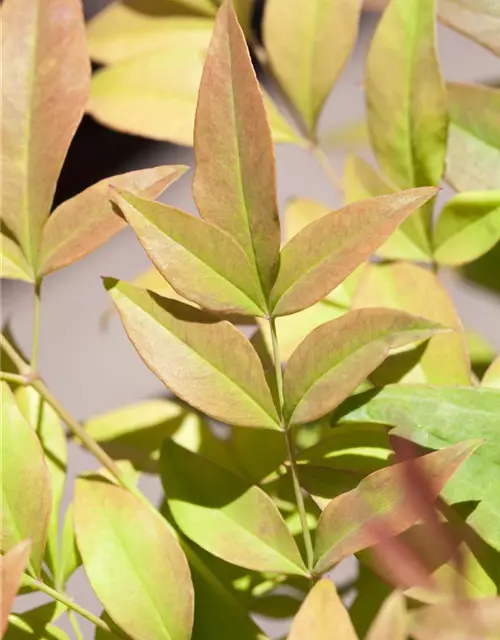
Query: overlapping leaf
391	620
13	263
477	19
13	564
492	376
69	556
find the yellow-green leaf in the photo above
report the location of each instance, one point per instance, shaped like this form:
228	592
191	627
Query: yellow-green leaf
337	356
322	616
13	564
205	361
309	42
476	19
182	249
323	254
282	132
13	263
69	557
234	183
134	562
391	621
225	516
44	90
24	627
474	141
468	227
492	376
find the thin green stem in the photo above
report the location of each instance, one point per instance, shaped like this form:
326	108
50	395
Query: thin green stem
36	326
329	171
74	624
277	363
13	377
11	352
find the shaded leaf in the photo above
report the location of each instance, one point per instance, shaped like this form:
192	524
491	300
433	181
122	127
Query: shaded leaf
44	91
257	454
322	616
347	525
173	7
207	362
474	139
13	264
492	376
391	620
182	249
476	19
21	629
222	514
323	254
234	182
139	573
13	564
26	496
418	291
481	352
309	42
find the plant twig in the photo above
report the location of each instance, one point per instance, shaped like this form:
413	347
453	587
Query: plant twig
74	624
13	377
36	326
329	171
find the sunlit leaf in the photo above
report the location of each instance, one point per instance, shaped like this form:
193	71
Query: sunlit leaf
22	629
481	352
391	620
69	557
26	496
347	525
323	254
322	616
418	291
13	564
234	183
13	263
492	376
476	19
224	515
133	562
207	362
182	249
337	356
474	140
44	90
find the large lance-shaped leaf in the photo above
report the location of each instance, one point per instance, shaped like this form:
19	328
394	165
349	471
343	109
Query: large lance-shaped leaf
309	42
322	255
468	226
205	361
134	562
234	183
477	19
85	222
13	263
45	87
182	249
351	522
474	141
13	564
26	497
337	356
418	291
222	514
322	616
438	416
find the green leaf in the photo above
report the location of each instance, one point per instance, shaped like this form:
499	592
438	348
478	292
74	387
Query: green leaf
417	291
468	227
282	132
257	454
205	361
26	497
381	498
474	139
226	517
133	561
47	425
13	564
44	91
182	249
476	19
391	620
492	376
435	417
21	629
13	263
337	356
322	616
309	42
88	220
69	557
323	254
234	182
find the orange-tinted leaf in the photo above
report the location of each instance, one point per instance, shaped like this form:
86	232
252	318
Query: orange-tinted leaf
323	254
345	526
234	183
13	564
391	620
476	19
80	225
45	85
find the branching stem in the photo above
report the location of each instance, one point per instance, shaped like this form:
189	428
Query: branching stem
36	326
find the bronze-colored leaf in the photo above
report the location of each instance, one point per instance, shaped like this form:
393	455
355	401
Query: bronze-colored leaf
13	564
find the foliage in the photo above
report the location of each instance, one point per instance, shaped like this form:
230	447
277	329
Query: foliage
376	440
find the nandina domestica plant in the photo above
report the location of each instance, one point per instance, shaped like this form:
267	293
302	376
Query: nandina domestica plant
353	424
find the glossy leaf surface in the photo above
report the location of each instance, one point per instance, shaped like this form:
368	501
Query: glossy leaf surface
13	564
476	19
207	362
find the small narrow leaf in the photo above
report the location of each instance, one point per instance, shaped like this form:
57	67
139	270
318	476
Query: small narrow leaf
468	227
23	628
345	527
391	621
182	249
322	616
309	42
234	183
492	376
226	517
13	564
133	562
80	225
207	362
474	140
476	19
25	483
323	254
44	91
13	263
69	557
337	356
